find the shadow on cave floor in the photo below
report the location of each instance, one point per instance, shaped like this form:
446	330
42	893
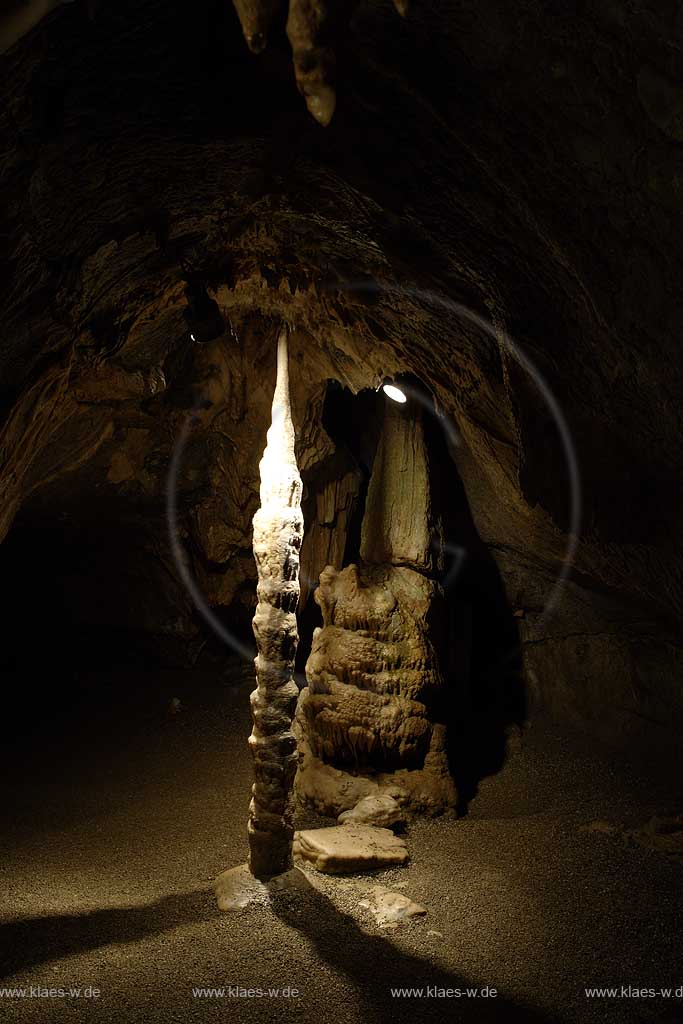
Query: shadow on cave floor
115	824
374	964
29	942
370	962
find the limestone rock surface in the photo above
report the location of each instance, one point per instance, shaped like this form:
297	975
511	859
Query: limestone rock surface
390	909
375	687
373	682
349	848
382	810
400	526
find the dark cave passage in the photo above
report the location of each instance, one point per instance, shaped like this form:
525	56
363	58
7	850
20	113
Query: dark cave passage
70	587
93	615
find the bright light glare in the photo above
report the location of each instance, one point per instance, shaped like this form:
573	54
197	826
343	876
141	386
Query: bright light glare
391	391
193	337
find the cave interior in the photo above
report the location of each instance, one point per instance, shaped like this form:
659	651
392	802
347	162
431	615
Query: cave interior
479	203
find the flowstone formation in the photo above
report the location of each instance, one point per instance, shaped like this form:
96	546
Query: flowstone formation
368	721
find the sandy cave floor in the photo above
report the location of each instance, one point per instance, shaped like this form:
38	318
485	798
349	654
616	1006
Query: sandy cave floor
118	817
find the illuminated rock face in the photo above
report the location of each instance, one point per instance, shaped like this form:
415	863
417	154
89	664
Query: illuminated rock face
278	532
400	525
366	723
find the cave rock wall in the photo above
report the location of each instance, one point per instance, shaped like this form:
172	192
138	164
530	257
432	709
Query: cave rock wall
368	716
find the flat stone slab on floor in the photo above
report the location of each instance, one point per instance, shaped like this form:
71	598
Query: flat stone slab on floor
343	849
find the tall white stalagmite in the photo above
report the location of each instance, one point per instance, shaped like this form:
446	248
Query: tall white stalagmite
278	532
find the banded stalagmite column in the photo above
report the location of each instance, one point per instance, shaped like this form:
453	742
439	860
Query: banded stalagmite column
278	532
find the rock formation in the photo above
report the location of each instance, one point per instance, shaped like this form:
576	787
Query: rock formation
390	909
490	154
278	530
349	848
400	525
382	811
329	512
368	715
313	30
